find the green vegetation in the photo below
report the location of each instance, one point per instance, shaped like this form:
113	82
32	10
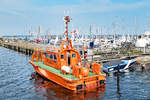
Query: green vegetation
132	52
136	52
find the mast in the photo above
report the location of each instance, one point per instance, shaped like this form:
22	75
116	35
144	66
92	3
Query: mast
67	19
135	29
90	30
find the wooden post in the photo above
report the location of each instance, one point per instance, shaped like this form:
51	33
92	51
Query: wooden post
118	81
118	78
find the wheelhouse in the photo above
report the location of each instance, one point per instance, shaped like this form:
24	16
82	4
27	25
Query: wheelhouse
65	57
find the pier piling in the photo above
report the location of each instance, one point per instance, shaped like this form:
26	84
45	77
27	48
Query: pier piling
118	81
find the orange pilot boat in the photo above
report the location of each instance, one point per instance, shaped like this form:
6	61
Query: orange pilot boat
65	67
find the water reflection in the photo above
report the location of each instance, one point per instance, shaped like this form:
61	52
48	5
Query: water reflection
53	91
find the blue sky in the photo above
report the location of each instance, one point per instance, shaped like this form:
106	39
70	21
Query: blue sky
18	16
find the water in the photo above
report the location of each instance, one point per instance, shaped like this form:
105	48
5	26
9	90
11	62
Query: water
18	81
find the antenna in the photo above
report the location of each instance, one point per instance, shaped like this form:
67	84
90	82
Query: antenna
67	12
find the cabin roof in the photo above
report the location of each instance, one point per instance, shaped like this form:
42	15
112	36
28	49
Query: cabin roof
52	51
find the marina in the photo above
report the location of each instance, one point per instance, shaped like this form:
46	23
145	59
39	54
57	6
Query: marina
118	63
74	50
98	55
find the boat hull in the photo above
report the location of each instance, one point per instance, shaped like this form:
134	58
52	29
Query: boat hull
86	83
123	66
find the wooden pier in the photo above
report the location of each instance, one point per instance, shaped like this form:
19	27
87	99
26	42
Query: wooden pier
24	46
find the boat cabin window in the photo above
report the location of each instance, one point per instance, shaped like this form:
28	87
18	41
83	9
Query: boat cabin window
73	55
51	56
47	55
62	56
55	57
80	52
85	52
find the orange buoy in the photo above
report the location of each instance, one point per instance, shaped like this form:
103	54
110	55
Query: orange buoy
84	72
